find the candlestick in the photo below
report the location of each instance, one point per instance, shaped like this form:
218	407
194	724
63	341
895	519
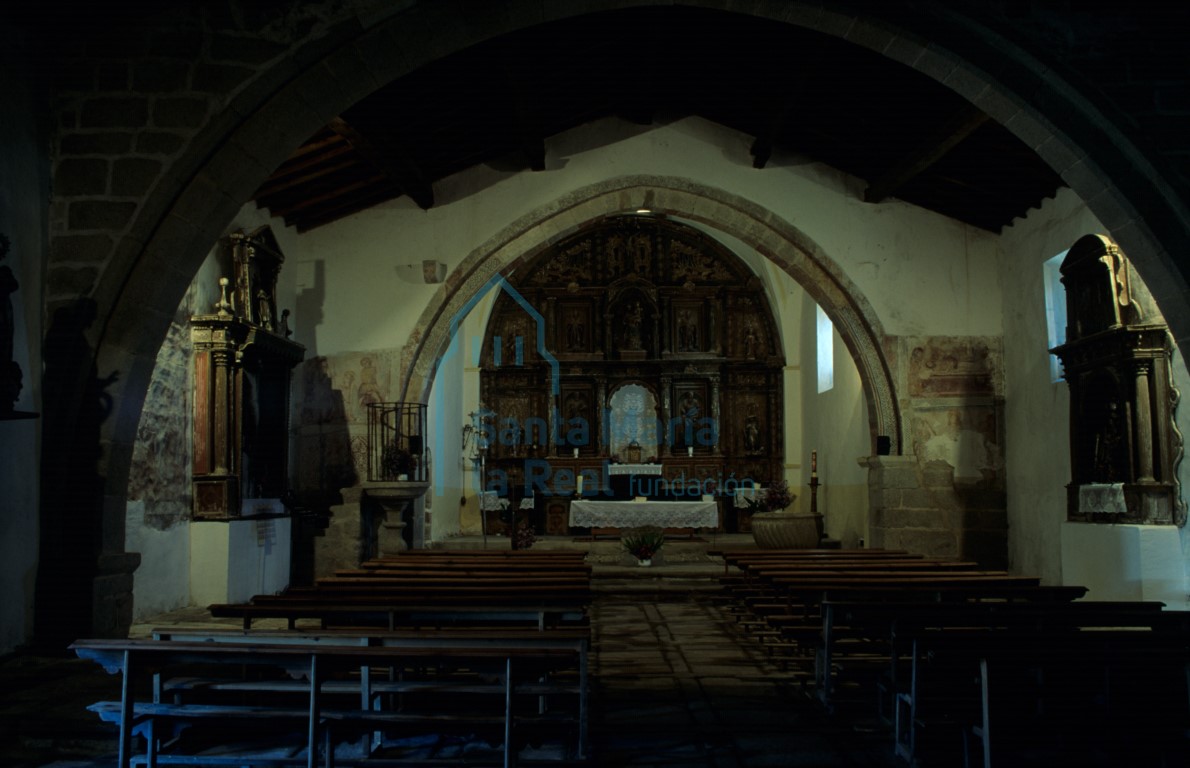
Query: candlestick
576	453
690	450
578	484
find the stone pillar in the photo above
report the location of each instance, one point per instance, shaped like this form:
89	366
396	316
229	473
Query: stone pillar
111	594
918	507
887	477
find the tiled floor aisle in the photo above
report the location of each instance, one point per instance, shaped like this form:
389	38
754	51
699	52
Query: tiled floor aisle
677	684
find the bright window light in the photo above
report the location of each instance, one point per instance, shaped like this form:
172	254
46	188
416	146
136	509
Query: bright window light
826	352
1055	310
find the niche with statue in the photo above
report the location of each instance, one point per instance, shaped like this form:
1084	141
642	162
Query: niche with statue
1124	442
242	361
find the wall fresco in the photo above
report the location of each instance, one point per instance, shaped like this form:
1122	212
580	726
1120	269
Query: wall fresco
954	366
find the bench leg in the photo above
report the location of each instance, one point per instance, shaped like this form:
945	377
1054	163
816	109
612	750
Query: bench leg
508	712
126	695
983	705
582	702
312	724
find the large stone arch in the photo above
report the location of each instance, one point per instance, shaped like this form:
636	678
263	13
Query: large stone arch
140	281
152	264
779	241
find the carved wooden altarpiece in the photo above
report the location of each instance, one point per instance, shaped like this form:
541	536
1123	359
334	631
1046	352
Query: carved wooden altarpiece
242	362
1124	443
640	305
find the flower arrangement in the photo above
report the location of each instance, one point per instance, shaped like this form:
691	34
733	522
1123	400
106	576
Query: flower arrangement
775	498
524	535
396	461
643	543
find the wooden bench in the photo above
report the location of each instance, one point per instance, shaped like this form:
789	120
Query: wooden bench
340	698
863	631
1056	695
391	613
442	593
785	613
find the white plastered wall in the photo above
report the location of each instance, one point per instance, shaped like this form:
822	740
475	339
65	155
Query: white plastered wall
922	273
891	252
1116	562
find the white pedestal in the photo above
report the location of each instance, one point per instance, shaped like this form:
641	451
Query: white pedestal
232	560
1125	562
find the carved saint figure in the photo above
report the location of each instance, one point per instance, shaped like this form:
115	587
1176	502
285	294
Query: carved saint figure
575	333
688	410
632	321
752	433
687	332
750	341
264	310
1109	443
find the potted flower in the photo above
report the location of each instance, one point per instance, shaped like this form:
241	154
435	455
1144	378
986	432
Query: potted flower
774	527
397	463
643	543
524	535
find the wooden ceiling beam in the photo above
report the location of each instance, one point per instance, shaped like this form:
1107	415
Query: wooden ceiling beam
389	160
359	201
310	174
331	195
946	138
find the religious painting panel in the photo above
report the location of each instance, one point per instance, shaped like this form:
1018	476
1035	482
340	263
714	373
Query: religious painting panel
967	437
954	366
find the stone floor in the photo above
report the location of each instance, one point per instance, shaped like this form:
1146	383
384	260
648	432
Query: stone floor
675	682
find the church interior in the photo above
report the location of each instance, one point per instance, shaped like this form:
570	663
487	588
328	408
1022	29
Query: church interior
291	287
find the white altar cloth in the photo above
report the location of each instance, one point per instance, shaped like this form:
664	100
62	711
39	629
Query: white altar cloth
489	501
653	470
634	514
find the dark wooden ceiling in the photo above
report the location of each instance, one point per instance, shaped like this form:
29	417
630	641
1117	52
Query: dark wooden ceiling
795	92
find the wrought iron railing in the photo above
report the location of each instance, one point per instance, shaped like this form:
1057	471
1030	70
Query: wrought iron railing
396	442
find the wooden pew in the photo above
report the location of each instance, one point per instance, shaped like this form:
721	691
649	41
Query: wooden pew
788	616
1118	696
413	610
339	697
883	630
467	586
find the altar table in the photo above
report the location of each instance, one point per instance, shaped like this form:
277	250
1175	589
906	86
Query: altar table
634	514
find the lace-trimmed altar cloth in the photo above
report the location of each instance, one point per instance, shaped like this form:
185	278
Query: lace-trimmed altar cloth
490	501
1102	498
634	514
